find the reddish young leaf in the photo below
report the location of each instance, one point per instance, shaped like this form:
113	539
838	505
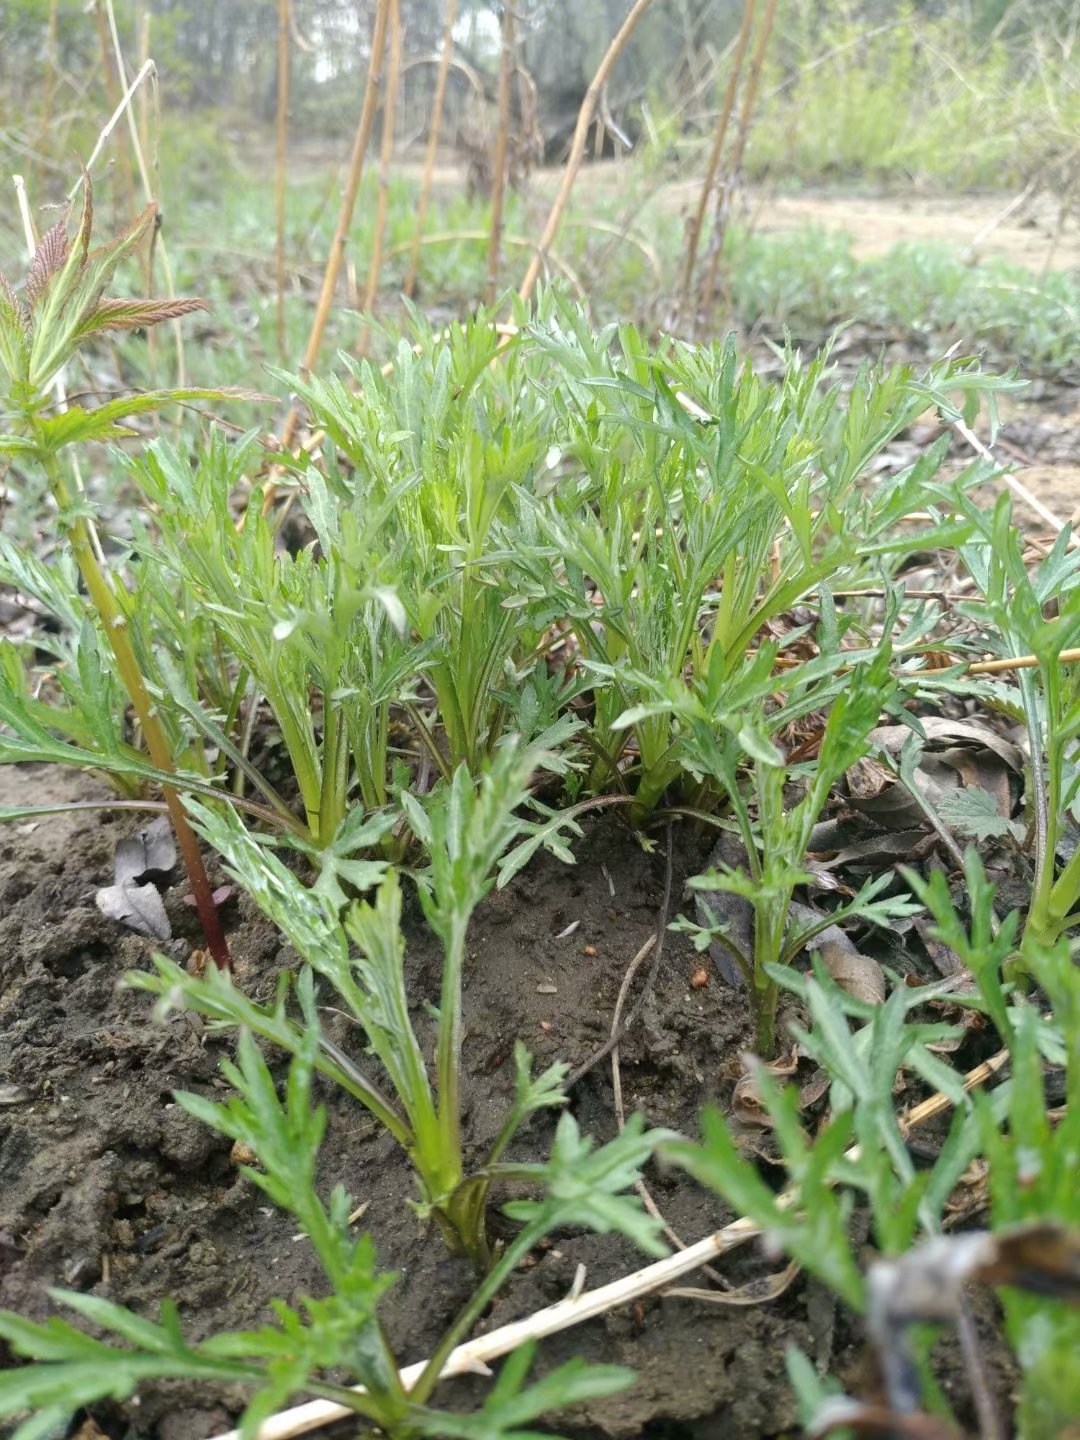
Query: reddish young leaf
48	258
135	314
11	307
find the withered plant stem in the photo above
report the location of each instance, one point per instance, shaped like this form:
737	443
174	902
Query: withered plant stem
386	156
279	175
1007	662
693	238
431	154
114	621
49	90
737	151
498	166
149	194
113	91
344	220
577	147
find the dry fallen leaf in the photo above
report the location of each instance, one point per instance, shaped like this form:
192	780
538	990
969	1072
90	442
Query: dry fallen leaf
131	899
139	907
746	1103
858	974
151	851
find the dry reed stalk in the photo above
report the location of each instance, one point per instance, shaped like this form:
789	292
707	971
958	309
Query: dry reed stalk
431	154
577	148
279	176
694	236
386	156
473	1357
345	214
739	147
1007	662
159	247
1019	489
47	95
123	153
498	169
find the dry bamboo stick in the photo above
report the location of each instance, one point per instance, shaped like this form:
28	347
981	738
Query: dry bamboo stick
345	214
432	151
1008	662
51	66
279	176
474	1355
738	149
112	95
577	148
159	246
1019	489
502	135
386	156
694	237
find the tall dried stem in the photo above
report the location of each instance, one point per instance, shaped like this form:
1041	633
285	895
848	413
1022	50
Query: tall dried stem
113	92
386	156
345	214
577	148
432	151
48	92
745	116
694	236
279	177
159	247
498	169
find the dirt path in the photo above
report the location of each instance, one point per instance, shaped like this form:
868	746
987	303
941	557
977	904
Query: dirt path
1028	233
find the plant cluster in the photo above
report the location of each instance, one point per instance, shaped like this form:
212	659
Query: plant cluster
862	1157
812	282
535	565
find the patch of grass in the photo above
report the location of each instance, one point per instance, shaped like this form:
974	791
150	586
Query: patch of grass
809	282
901	93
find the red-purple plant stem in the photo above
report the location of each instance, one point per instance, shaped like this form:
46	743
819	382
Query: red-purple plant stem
115	624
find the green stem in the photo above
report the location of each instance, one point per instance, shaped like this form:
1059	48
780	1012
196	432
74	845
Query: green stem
488	1288
114	621
334	772
1045	786
768	939
449	1045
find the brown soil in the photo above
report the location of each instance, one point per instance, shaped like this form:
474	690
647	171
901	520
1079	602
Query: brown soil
108	1187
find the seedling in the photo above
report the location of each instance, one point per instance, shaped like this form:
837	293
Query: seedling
63	305
698	503
862	1154
1036	612
719	727
341	1331
468	830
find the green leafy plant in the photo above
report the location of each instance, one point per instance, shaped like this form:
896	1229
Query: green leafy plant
63	305
696	503
861	1156
468	828
340	1332
1036	611
450	442
719	731
319	635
